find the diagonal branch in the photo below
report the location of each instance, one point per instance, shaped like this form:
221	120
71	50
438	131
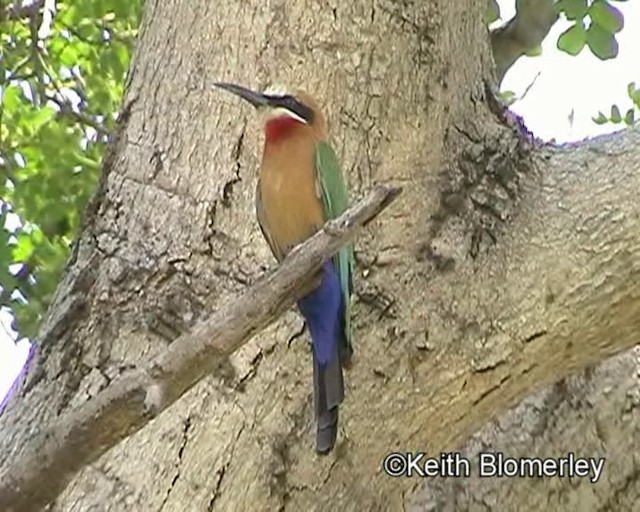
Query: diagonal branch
66	109
523	33
53	457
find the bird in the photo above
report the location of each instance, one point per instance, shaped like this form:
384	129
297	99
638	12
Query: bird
300	186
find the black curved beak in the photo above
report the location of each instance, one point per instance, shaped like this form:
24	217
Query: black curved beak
259	100
255	98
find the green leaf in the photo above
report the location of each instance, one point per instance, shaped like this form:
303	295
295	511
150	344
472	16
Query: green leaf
11	99
573	9
573	39
536	51
53	169
70	55
629	117
23	249
508	97
607	16
40	118
603	44
600	119
492	13
615	114
634	94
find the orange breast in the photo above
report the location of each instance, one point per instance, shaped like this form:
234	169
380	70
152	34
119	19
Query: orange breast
293	210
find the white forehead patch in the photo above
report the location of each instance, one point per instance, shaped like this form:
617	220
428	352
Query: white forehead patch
282	112
277	90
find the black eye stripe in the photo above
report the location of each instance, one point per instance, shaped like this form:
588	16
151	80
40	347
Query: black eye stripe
292	104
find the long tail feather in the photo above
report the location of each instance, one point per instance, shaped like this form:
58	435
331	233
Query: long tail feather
323	310
328	393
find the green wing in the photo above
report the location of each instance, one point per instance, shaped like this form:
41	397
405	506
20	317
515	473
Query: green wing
336	199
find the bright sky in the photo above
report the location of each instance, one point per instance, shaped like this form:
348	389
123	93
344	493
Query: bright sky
566	87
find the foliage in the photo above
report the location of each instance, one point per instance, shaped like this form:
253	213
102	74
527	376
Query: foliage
604	22
616	117
596	24
61	82
492	13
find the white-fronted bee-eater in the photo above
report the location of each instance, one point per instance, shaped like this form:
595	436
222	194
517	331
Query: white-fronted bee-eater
300	187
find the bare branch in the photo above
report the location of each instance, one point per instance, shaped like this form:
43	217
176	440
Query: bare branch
17	11
523	33
127	405
66	109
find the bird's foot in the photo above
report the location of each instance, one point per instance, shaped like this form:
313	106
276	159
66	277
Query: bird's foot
346	358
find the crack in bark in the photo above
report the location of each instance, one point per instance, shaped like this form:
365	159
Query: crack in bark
254	364
297	334
491	390
223	470
227	189
216	491
185	433
157	162
483	366
535	336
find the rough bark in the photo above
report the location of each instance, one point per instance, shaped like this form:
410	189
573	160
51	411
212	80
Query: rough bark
504	267
81	436
593	414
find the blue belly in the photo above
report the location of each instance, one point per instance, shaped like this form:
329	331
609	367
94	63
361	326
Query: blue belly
323	310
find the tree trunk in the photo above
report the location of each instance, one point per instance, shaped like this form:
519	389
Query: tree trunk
505	266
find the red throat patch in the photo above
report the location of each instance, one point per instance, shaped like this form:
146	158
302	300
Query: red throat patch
280	127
